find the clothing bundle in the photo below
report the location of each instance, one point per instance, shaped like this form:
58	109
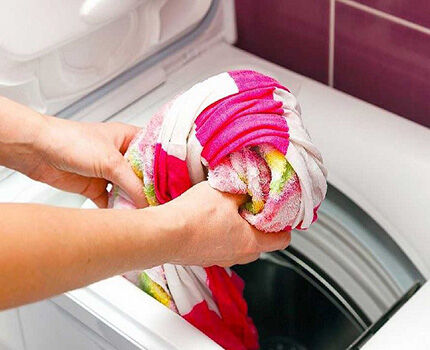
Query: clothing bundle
243	132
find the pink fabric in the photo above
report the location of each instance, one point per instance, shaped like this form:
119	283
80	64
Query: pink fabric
235	329
249	79
244	140
227	291
172	177
248	118
211	324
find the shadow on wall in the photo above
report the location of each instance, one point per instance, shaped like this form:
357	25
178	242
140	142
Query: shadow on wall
376	50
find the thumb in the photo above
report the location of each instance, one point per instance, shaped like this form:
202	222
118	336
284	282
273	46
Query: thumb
122	175
124	133
237	198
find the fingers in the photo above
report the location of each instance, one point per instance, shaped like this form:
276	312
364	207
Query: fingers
102	200
268	242
125	132
249	258
117	170
92	188
120	173
238	199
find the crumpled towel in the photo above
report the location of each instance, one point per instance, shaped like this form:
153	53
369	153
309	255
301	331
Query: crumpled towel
244	130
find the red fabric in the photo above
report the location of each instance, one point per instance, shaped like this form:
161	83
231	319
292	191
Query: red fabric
234	330
211	324
160	175
227	292
250	117
178	178
171	177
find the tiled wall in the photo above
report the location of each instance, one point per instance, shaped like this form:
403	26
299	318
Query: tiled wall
376	50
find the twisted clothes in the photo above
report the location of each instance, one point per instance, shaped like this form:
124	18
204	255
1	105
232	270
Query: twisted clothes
243	132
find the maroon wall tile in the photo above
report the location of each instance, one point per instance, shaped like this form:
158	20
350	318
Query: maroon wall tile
382	62
417	11
291	33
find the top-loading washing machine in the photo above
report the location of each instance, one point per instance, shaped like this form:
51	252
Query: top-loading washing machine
356	272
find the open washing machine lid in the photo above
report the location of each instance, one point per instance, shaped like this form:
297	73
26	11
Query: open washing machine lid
53	52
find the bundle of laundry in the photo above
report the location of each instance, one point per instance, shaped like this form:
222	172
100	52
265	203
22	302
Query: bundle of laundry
243	132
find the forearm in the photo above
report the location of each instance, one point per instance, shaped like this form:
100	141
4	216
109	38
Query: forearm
19	129
47	250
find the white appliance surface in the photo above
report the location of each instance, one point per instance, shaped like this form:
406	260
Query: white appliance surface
408	328
370	153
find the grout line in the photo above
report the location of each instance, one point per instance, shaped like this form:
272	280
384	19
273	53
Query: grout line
331	44
386	16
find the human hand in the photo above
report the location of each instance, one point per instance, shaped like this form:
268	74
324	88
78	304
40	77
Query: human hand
207	229
83	157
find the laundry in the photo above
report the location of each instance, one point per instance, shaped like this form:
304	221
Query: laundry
243	132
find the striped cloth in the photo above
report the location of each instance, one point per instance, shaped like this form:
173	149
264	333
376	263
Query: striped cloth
242	131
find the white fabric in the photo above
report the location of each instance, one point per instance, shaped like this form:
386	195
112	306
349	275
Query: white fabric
187	107
309	169
188	287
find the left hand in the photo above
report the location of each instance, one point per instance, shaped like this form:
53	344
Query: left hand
83	157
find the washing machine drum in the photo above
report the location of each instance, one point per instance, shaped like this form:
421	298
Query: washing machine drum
334	281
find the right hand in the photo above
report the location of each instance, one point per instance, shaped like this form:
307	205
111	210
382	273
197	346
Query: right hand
210	231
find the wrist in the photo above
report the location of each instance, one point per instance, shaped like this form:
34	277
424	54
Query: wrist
172	231
20	131
149	235
42	135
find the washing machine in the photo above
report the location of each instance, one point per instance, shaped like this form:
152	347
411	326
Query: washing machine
355	279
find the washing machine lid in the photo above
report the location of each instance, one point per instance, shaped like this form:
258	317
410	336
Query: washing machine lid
53	52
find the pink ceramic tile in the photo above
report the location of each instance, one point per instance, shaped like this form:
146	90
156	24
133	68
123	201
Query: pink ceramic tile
292	33
382	62
417	11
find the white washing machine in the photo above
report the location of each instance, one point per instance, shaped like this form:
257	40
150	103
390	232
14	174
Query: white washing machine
350	280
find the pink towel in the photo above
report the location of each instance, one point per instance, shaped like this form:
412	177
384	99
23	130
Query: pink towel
245	129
